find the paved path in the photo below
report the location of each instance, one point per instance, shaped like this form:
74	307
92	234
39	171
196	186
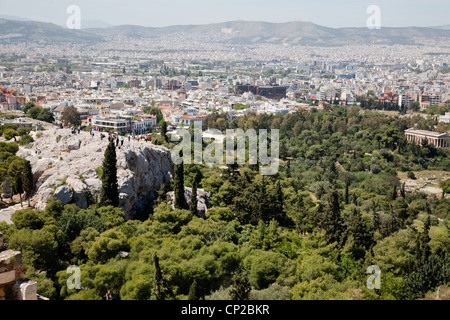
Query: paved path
5	213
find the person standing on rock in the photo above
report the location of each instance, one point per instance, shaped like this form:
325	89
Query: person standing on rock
129	138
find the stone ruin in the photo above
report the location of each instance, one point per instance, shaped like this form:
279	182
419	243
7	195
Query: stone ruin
13	284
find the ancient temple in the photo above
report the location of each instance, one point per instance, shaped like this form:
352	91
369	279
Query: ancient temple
437	139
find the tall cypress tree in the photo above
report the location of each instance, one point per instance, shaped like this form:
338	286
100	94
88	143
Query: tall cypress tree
109	194
194	202
178	187
277	205
332	222
194	291
264	210
164	131
240	288
28	182
158	279
394	192
423	247
288	169
426	235
402	191
160	289
301	217
18	186
346	195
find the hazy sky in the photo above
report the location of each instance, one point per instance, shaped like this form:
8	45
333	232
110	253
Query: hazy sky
156	13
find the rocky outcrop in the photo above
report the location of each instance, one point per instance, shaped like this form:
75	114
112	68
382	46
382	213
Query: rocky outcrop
203	198
67	167
64	193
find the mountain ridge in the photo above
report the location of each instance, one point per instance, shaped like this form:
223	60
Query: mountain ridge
238	31
20	31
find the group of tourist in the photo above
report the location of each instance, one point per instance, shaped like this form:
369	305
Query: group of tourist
139	137
113	136
120	139
73	129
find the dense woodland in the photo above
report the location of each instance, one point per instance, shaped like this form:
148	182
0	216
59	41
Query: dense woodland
335	207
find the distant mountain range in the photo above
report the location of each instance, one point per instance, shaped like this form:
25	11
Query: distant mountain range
6	16
20	31
242	32
444	27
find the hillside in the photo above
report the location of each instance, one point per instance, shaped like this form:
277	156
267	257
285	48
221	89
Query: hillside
245	32
238	32
20	31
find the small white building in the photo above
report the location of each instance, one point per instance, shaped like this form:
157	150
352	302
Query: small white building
445	118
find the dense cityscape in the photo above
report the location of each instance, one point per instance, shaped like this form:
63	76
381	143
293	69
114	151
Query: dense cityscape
402	78
88	181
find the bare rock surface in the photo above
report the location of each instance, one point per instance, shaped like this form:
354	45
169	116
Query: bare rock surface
62	161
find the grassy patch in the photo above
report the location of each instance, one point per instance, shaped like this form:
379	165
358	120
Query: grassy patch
99	172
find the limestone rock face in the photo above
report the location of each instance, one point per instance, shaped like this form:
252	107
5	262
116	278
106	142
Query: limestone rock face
63	193
62	161
203	198
26	289
11	268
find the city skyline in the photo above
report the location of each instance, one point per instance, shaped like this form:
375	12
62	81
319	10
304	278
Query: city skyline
349	13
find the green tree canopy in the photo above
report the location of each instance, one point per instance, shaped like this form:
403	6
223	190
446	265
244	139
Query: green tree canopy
71	115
